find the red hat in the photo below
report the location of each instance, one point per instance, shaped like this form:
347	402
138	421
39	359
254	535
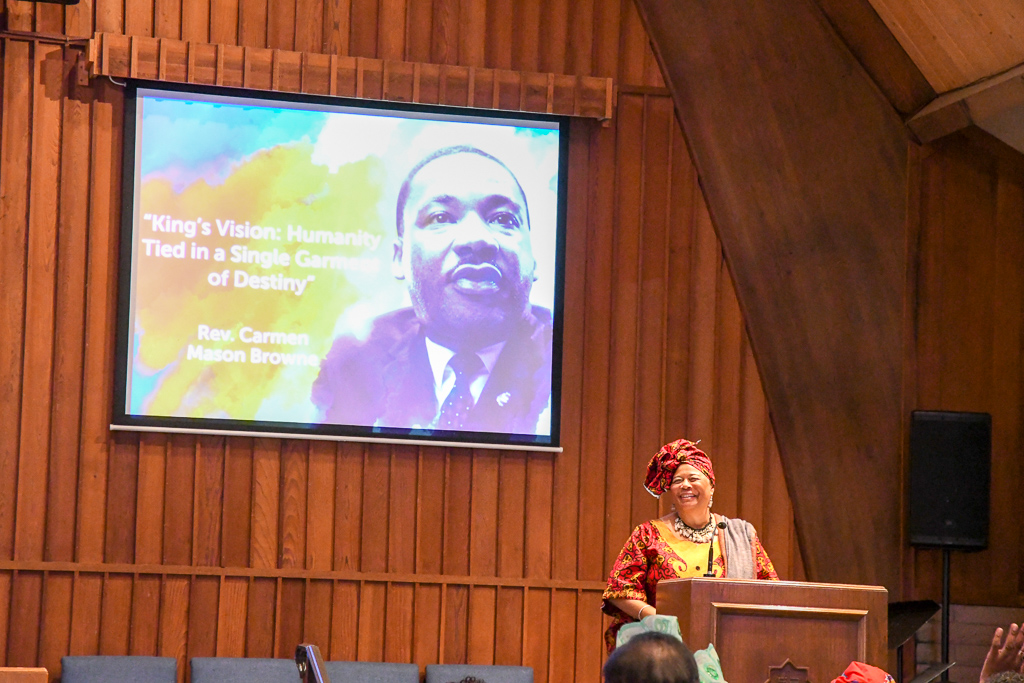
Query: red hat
664	464
859	672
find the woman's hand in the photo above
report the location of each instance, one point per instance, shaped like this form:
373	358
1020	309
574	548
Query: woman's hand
636	609
1005	655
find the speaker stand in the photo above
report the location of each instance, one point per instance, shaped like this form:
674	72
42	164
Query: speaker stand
945	612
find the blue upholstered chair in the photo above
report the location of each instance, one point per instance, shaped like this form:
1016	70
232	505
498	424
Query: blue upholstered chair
243	670
372	672
453	673
108	669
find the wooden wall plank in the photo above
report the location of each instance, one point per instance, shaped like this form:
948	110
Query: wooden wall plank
483	535
316	623
25	617
55	629
337	29
87	593
47	72
457	513
345	621
266	470
260	618
252	23
294	473
402	531
167	18
481	624
15	147
115	615
208	501
348	506
231	617
144	638
123	477
290	617
224	20
149	518
320	506
373	540
179	491
236	525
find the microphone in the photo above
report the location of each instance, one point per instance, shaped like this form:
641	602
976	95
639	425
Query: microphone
711	554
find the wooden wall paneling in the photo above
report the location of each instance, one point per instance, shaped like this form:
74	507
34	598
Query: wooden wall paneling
372	608
320	505
266	490
139	17
778	528
224	20
204	594
653	264
580	38
624	510
252	23
418	30
104	212
86	601
705	261
72	241
1006	395
25	617
554	36
179	499
309	29
195	21
123	477
401	515
566	474
232	614
78	19
55	630
362	40
684	201
444	47
20	16
167	18
481	624
316	614
498	49
562	637
846	154
261	618
344	621
593	558
348	506
540	514
337	27
483	517
391	29
149	516
174	620
373	539
455	632
589	647
632	41
236	526
109	15
208	501
509	627
115	614
40	292
144	638
527	16
426	635
472	32
537	630
398	631
290	616
15	147
512	503
728	356
457	500
281	24
754	433
294	483
49	18
607	27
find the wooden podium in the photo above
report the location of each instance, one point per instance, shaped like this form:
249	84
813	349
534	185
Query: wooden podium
780	631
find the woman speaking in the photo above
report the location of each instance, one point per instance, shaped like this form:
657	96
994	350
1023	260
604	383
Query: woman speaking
677	545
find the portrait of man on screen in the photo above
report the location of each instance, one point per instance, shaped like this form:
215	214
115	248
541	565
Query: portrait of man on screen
471	353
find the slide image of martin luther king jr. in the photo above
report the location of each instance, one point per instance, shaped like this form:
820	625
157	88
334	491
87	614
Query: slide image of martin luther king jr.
471	353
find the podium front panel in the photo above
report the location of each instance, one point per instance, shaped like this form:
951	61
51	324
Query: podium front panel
780	631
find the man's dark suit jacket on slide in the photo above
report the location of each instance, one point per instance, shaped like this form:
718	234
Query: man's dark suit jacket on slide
384	378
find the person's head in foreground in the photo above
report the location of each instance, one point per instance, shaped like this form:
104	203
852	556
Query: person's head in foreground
463	245
684	471
651	658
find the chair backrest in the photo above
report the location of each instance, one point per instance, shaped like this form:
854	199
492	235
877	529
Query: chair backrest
243	670
453	673
372	672
112	669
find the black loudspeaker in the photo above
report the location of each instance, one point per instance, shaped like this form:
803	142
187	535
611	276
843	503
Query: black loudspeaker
950	461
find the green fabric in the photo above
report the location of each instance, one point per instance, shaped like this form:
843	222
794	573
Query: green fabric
708	665
659	623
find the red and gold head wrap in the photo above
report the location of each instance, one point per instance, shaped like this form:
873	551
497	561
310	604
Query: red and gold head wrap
664	464
859	672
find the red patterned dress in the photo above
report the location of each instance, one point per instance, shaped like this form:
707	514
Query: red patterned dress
654	553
